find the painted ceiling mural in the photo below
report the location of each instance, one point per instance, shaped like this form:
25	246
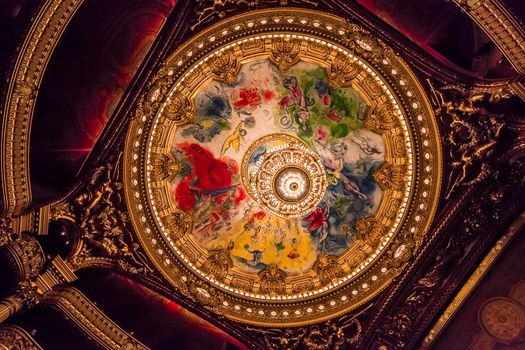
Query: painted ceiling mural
281	167
225	137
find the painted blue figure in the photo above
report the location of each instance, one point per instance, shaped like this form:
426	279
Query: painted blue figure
257	256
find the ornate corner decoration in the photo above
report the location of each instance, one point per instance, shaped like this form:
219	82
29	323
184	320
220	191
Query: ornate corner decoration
16	338
90	319
403	323
98	210
19	103
474	131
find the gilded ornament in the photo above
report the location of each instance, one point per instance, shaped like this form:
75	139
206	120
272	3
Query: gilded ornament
19	103
16	338
474	131
285	52
177	224
327	269
382	118
391	176
370	229
272	280
163	167
342	71
218	264
225	66
179	109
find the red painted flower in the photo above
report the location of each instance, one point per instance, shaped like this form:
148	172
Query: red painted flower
208	174
322	133
326	100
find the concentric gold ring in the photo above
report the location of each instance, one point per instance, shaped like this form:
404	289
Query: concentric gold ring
286	162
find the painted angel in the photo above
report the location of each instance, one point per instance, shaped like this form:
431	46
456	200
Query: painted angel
334	165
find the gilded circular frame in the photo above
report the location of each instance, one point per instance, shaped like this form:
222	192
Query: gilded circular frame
410	177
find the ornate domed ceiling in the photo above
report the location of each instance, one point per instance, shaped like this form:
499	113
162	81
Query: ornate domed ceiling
286	163
301	174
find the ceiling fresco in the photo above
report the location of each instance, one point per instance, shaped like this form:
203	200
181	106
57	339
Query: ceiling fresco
257	156
281	167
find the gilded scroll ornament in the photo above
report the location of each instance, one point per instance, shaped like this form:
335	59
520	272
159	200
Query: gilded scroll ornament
225	66
327	269
391	176
218	264
342	71
370	229
381	118
177	223
179	110
163	167
272	280
285	52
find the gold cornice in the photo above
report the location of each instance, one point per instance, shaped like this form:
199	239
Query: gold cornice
25	79
503	29
473	282
91	320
